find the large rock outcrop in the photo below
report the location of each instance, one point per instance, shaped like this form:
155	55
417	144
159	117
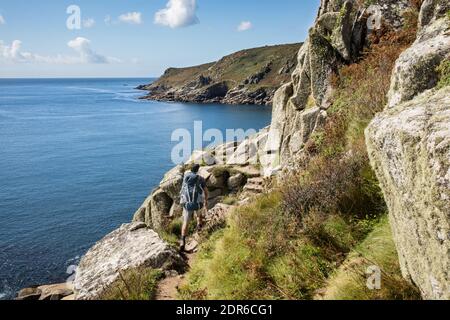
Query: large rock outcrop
300	107
131	246
409	148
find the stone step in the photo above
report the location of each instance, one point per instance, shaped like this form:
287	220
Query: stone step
257	181
248	171
254	188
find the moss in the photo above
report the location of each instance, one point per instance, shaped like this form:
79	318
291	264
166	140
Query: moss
230	200
134	284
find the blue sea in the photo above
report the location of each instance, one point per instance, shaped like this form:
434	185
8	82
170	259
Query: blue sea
77	158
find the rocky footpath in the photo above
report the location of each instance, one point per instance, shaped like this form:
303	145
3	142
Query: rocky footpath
228	169
409	146
246	77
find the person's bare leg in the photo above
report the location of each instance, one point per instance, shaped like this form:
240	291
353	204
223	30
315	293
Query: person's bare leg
184	229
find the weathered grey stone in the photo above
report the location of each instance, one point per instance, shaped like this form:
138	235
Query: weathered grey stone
308	120
236	181
409	147
337	26
216	182
139	216
202	158
392	11
216	217
143	214
324	62
29	294
56	291
432	10
161	204
131	246
176	210
171	184
215	193
337	36
224	152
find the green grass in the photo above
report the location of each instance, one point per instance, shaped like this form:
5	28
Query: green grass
172	233
259	256
134	284
349	282
318	230
235	68
230	200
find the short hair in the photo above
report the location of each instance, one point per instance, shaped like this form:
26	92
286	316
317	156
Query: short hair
195	168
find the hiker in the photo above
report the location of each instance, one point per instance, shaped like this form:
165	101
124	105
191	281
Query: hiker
194	197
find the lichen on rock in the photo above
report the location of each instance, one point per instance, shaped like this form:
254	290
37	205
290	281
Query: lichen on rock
131	246
409	148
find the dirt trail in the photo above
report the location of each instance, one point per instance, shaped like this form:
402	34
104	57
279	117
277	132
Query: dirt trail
168	287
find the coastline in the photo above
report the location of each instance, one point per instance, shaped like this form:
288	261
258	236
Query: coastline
231	171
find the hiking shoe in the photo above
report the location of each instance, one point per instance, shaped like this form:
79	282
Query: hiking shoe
183	245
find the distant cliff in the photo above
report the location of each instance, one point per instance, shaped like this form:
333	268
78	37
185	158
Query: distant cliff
246	77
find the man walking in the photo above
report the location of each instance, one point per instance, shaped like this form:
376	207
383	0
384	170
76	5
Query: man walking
194	197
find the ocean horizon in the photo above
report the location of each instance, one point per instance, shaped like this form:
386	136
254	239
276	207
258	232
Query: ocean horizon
78	157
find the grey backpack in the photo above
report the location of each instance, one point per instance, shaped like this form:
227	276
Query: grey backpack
192	193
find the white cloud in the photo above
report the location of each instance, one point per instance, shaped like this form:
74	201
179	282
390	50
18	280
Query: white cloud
131	18
2	20
244	26
85	54
13	53
88	23
83	47
178	13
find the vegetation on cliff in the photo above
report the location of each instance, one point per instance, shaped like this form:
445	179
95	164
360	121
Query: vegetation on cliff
246	77
298	241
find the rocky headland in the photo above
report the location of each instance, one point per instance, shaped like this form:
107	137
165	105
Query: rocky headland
246	77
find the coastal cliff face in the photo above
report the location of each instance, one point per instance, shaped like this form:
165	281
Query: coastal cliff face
300	106
408	143
409	147
246	77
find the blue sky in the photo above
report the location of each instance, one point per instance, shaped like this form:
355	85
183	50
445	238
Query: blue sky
139	38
